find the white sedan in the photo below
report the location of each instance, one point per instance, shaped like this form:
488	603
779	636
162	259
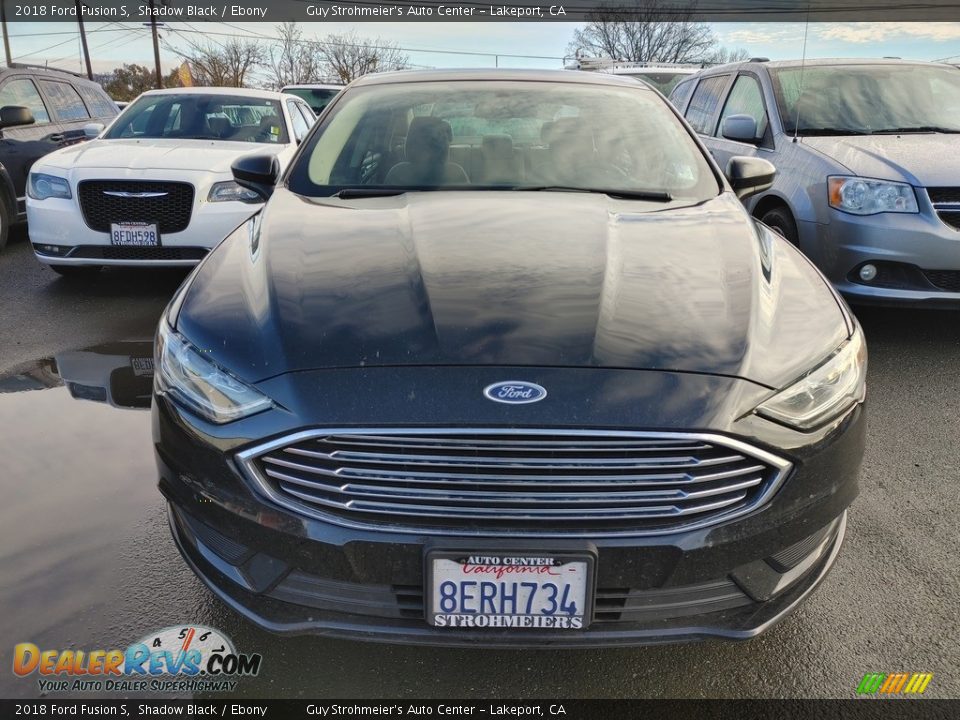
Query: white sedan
155	188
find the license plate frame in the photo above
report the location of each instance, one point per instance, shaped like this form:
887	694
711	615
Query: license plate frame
561	557
134	227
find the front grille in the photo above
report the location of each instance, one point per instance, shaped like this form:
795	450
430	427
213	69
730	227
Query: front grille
527	482
946	201
133	252
171	211
948	280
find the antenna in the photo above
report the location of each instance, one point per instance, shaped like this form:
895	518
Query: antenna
803	66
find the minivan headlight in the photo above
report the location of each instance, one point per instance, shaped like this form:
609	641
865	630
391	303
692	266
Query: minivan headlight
198	384
229	190
824	393
41	186
862	196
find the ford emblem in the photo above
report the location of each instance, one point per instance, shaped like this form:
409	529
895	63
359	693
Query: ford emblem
515	392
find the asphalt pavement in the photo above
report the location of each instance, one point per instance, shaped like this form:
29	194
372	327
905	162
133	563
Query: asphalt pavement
86	558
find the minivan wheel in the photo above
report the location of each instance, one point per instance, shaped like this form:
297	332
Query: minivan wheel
79	272
781	221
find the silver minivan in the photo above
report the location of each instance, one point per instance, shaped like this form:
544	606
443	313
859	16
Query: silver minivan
868	160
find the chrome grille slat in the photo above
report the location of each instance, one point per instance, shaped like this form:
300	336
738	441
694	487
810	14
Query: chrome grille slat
472	512
530	482
532	463
459	478
456	496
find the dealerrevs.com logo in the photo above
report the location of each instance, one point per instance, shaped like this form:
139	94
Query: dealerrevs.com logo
187	658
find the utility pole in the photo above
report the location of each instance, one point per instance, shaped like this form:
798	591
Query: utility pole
6	39
83	39
156	45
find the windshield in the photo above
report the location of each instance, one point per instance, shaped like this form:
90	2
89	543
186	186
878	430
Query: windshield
503	135
201	117
865	99
662	80
316	98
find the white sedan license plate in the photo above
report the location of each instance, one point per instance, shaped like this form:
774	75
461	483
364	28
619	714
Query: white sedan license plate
508	590
142	366
137	234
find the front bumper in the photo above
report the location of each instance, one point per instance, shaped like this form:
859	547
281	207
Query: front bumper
60	236
910	244
290	573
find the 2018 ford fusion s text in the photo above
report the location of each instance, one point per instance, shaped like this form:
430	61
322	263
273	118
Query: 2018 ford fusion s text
504	361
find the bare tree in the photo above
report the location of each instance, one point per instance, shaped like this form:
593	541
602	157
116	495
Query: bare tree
648	31
293	60
348	56
228	64
726	55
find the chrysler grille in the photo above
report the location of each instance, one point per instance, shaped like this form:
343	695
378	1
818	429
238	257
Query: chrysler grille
170	211
946	201
526	482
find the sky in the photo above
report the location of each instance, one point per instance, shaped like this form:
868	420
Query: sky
446	44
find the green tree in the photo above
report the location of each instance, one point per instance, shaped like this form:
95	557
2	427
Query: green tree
127	82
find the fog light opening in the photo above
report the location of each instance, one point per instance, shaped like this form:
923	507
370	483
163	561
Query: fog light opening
868	272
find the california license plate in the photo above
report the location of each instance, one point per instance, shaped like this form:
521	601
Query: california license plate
508	590
137	234
142	366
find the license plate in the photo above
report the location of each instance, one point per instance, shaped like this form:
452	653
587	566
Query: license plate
508	590
139	234
142	366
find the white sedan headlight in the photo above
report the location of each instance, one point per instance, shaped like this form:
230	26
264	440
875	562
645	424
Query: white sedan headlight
862	196
198	384
824	393
41	186
229	190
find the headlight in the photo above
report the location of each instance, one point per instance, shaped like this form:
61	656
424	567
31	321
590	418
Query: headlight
861	196
41	186
229	190
195	382
824	393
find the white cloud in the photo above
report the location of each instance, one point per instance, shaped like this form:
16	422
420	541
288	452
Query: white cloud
862	33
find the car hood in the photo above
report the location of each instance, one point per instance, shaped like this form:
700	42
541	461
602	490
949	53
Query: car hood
509	279
157	154
921	159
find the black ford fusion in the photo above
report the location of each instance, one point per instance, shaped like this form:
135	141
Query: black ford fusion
504	361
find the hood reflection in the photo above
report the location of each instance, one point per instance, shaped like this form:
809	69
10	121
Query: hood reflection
119	374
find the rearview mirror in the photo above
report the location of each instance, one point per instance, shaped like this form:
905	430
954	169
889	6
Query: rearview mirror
92	130
13	115
258	173
749	175
740	128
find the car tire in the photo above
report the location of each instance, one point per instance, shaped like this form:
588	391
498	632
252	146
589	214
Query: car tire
77	272
781	222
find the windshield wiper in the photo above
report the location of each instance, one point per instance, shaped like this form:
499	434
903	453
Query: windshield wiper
348	193
652	195
830	131
915	129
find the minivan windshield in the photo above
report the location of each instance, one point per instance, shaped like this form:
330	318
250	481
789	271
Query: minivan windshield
867	99
513	135
193	116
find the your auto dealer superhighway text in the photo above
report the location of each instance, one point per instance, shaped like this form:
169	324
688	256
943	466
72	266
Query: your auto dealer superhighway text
397	710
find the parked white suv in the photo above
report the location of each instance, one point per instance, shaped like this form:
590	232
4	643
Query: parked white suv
155	188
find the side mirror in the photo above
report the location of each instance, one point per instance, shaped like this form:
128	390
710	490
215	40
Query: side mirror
749	175
258	173
92	130
740	128
13	115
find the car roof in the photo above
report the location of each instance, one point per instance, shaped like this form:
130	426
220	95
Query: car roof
312	86
557	76
818	62
241	92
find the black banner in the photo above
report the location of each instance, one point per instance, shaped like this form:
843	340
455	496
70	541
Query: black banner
858	709
472	10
